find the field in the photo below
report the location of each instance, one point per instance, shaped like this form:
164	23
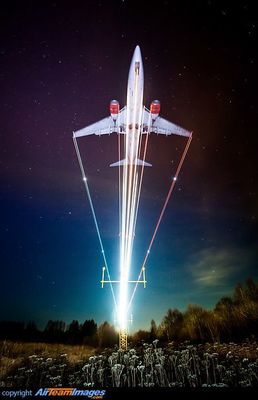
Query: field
29	365
14	355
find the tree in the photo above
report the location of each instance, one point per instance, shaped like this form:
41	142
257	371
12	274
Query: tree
225	305
108	337
153	330
31	332
225	314
172	324
54	331
73	332
141	336
89	332
12	330
251	290
193	328
239	294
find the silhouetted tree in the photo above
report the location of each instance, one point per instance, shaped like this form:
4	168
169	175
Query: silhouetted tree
31	332
233	318
172	324
54	331
153	330
73	333
193	326
141	336
89	332
107	335
12	330
251	289
238	294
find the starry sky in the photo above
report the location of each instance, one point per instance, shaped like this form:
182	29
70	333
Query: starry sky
61	64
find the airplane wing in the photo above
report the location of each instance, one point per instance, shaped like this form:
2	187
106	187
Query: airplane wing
105	126
161	126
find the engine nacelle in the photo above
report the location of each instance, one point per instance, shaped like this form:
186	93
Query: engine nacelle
114	109
155	109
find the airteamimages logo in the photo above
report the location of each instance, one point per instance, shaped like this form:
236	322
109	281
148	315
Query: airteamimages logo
92	394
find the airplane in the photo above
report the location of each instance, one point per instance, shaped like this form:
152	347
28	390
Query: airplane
134	119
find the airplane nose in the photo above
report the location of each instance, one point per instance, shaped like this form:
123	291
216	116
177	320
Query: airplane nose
137	54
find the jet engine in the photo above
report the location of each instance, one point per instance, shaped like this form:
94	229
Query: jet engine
155	109
114	109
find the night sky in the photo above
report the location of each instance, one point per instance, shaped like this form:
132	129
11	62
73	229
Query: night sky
61	64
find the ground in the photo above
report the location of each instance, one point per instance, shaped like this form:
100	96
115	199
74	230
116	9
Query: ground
14	354
30	365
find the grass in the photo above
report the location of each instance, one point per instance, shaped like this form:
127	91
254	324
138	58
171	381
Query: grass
12	354
27	365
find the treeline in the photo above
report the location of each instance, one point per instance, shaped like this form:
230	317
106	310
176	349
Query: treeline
87	333
233	319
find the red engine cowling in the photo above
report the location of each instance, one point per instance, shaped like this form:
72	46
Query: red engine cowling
155	108
114	109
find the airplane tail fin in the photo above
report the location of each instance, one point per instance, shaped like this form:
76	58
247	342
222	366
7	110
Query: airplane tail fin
126	162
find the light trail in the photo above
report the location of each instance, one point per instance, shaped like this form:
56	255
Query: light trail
130	202
142	169
161	215
119	182
94	215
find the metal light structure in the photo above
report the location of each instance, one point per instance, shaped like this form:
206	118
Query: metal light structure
134	122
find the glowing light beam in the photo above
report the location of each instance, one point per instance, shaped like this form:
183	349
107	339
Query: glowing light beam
161	216
93	214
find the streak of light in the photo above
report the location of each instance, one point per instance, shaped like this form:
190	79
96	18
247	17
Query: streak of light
94	215
131	186
142	169
161	215
119	180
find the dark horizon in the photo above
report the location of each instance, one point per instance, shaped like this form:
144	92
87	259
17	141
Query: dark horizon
232	296
61	64
233	319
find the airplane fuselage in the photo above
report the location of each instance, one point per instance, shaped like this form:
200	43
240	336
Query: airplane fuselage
134	107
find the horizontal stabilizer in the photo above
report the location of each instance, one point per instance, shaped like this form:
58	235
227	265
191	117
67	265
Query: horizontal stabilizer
125	161
119	163
141	162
